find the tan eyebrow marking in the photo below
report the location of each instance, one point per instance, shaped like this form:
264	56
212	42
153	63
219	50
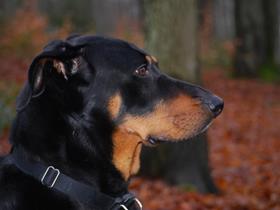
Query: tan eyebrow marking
154	59
151	59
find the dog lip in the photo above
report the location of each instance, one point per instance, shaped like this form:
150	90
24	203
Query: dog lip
153	141
205	127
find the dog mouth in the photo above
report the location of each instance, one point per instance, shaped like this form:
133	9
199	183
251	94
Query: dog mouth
155	140
204	128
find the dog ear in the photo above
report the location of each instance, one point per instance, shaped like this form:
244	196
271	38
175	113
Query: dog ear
65	67
58	57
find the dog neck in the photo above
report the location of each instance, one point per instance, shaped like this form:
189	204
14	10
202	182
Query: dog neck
51	140
126	152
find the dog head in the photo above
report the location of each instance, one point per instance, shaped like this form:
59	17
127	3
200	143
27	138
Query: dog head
110	95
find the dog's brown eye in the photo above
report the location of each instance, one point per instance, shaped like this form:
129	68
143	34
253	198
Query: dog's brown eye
142	71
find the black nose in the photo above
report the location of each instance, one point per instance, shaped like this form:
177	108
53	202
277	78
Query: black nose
216	105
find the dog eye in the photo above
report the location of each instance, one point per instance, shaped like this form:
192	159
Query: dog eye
141	71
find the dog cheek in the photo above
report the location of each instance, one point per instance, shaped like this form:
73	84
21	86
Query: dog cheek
188	124
178	119
187	116
174	120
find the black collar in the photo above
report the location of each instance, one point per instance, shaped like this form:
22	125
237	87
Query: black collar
51	177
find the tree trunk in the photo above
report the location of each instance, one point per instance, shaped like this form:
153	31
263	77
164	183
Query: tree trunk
171	35
8	8
114	15
224	19
79	13
277	34
272	8
258	48
251	38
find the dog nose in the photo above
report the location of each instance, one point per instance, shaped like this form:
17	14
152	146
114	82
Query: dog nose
216	105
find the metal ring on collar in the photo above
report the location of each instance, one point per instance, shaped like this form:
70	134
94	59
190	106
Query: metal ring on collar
138	203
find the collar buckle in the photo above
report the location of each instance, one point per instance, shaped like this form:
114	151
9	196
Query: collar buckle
123	207
50	176
135	200
138	203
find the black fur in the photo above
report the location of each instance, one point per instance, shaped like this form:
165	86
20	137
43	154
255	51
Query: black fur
63	120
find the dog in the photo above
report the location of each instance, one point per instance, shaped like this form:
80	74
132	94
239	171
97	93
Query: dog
89	105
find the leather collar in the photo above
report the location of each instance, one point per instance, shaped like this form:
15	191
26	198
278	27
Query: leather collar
53	178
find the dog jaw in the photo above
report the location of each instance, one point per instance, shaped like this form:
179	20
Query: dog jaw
174	120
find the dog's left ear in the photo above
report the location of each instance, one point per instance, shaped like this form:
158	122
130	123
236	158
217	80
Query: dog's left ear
59	57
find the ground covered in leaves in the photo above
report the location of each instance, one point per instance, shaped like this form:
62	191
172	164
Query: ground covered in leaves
244	148
244	152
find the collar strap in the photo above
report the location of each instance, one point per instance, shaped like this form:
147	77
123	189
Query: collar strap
53	178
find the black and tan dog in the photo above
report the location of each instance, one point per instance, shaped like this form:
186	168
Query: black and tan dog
89	105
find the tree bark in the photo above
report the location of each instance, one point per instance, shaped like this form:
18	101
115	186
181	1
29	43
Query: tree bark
251	39
111	14
258	42
171	35
276	50
224	19
8	8
273	30
78	13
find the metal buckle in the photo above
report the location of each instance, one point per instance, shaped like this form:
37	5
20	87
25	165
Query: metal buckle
138	203
54	170
123	207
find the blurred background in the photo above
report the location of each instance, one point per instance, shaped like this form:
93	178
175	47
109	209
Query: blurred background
229	46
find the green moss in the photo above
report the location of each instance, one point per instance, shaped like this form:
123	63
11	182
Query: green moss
270	72
188	187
